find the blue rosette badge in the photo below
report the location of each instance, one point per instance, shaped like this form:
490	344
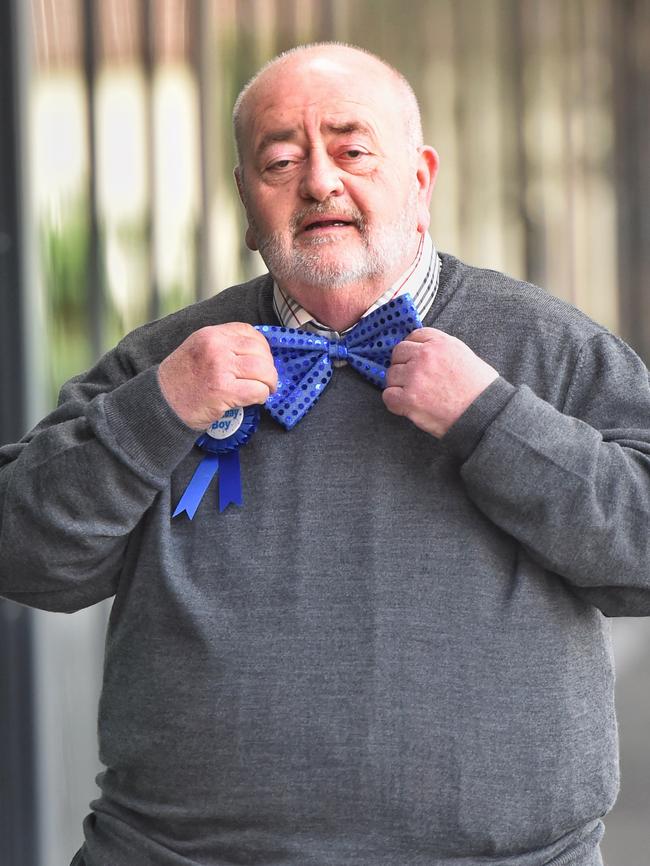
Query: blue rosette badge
221	442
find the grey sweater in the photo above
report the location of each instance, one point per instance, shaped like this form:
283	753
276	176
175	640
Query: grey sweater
394	654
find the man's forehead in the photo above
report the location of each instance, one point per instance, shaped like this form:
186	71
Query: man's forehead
299	82
333	113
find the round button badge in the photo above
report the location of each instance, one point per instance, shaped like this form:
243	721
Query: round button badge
229	423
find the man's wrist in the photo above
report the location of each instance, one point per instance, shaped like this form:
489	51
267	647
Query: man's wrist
136	422
467	431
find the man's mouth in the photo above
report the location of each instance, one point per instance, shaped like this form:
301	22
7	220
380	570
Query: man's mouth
311	225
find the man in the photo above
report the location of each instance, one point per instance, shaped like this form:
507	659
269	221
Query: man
394	652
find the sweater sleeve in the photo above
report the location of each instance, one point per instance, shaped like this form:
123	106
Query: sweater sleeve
75	487
571	485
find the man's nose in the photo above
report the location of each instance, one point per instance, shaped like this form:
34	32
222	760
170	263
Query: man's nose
321	177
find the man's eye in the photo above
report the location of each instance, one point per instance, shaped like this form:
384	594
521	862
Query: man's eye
279	165
354	153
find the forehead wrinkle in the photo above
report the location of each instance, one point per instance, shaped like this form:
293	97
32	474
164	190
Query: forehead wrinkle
338	128
346	127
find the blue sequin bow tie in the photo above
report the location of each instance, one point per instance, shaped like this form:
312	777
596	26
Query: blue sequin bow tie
304	360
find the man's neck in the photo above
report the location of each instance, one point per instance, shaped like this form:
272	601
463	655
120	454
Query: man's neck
338	308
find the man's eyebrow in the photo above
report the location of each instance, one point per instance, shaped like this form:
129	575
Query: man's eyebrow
275	135
348	127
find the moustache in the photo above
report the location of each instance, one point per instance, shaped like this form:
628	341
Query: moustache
347	214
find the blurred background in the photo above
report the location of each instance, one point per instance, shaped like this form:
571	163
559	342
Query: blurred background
117	205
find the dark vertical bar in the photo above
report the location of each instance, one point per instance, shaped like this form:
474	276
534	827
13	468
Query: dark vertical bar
631	37
18	808
148	41
94	287
12	404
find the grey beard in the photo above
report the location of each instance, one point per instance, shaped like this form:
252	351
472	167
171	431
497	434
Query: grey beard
306	266
376	257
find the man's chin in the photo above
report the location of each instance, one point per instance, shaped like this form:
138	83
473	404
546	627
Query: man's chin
318	271
332	277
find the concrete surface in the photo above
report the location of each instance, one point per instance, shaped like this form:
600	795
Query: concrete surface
627	837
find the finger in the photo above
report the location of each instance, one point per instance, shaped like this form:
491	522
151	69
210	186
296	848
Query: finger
257	369
239	337
250	345
396	376
394	401
424	335
214	341
246	392
404	352
239	329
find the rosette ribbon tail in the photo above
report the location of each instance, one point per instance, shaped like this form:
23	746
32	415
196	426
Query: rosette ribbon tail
220	443
229	480
205	472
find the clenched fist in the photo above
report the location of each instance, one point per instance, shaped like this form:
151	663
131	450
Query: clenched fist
215	369
433	378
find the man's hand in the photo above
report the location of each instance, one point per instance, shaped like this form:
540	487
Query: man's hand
216	369
433	378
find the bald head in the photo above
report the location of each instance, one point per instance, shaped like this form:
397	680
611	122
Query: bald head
337	58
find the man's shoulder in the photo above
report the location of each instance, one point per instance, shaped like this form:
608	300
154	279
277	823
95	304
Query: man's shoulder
498	300
245	302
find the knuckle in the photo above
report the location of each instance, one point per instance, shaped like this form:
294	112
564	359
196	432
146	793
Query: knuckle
243	328
430	353
201	346
220	382
203	337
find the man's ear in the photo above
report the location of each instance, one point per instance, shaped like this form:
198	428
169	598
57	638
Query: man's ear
427	171
251	243
240	185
